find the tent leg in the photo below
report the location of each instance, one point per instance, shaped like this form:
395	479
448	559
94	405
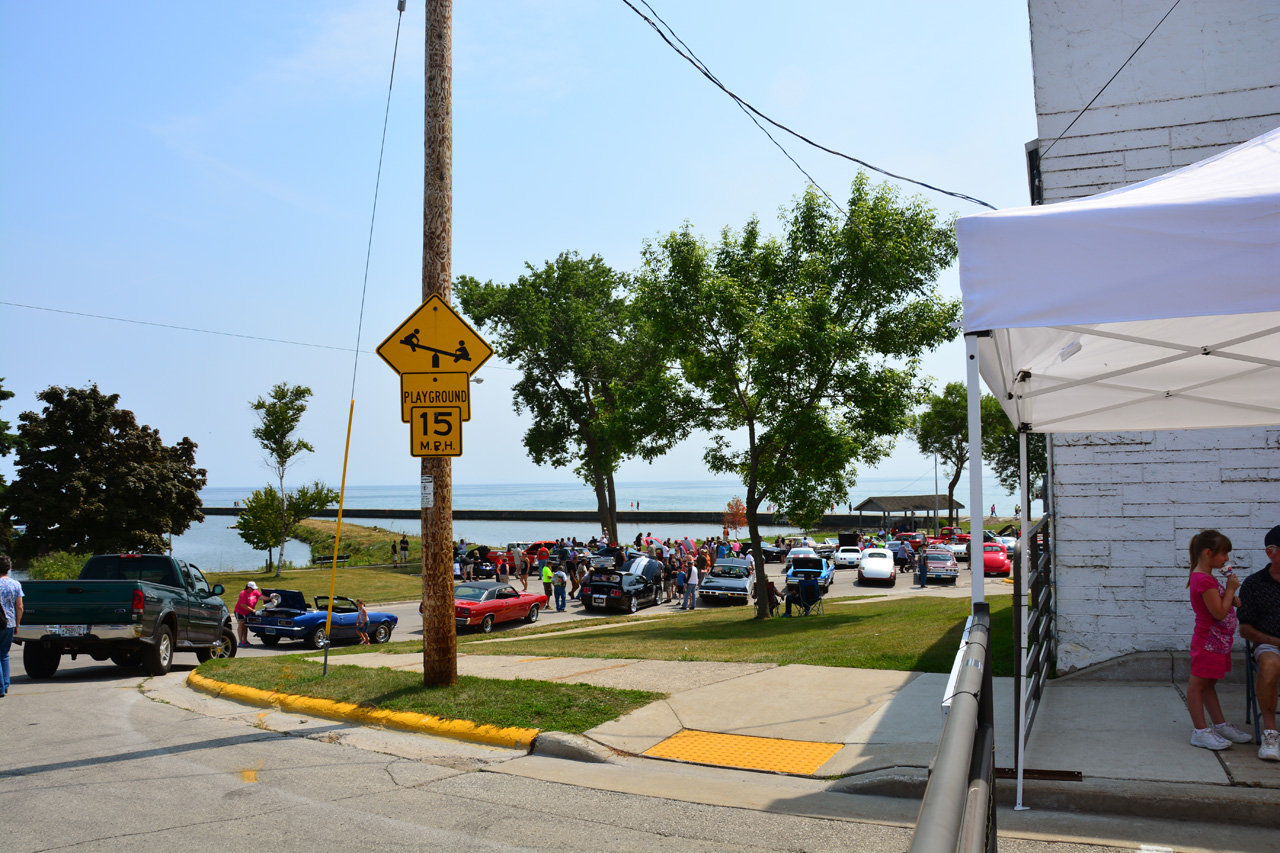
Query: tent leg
975	468
1020	608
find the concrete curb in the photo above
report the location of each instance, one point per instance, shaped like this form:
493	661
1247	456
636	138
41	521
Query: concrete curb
573	748
512	738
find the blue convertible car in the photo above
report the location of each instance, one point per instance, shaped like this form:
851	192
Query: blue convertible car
810	567
291	618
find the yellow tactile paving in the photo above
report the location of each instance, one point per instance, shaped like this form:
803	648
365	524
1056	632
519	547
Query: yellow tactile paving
751	753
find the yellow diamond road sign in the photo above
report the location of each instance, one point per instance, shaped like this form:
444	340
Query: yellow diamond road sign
434	339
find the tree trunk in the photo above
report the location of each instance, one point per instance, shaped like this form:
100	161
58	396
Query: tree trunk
951	494
284	522
753	524
439	634
613	506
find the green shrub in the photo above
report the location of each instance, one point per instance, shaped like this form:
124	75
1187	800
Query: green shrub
60	565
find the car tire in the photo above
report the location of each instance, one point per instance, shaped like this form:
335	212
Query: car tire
633	605
226	647
40	662
317	639
532	615
486	624
269	640
158	657
380	634
861	580
893	581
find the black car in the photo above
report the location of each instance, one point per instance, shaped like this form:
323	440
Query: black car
637	584
772	553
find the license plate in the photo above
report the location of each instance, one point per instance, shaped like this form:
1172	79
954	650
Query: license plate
597	599
70	630
268	630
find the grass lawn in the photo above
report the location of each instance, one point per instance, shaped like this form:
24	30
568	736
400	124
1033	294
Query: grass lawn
372	584
572	708
920	635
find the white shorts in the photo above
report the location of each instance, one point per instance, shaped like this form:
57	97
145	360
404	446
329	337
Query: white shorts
1264	648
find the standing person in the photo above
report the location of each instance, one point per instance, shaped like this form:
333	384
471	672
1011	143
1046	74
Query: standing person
245	605
546	578
404	549
522	567
571	569
696	571
11	608
1260	624
1215	630
558	581
362	622
993	510
686	564
394	553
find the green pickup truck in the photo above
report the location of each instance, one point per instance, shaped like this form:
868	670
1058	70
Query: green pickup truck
132	609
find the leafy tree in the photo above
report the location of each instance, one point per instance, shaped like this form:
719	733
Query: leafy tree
735	515
8	442
90	480
569	327
1000	449
804	347
943	428
278	418
259	523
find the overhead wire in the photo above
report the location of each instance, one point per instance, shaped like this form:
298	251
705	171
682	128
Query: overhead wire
689	57
1045	152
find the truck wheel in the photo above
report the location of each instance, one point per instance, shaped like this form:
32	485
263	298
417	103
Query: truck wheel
381	634
226	647
318	639
127	659
158	657
269	640
39	662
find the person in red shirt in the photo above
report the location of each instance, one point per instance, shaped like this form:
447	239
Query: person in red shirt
245	605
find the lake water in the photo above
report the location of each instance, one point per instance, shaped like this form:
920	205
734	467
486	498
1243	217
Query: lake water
215	545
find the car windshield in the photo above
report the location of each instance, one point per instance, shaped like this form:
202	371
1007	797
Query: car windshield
939	558
469	593
730	570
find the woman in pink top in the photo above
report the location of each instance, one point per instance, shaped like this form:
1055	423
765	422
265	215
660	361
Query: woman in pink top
1215	630
245	605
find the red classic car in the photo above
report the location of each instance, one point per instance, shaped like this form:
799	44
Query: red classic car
485	603
995	559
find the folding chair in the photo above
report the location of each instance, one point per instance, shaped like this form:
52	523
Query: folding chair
810	598
1251	693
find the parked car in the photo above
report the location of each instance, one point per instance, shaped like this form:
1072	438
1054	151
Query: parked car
959	547
731	581
941	565
483	604
847	557
903	558
771	553
877	565
637	584
798	551
809	566
995	560
294	619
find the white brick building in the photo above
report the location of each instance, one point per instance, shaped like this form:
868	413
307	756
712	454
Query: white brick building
1128	503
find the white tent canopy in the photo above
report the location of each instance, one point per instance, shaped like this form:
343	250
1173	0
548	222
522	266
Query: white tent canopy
1156	306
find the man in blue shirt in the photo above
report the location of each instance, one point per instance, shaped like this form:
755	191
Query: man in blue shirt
11	603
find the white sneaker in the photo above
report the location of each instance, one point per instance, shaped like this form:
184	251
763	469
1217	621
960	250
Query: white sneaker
1270	749
1231	733
1209	739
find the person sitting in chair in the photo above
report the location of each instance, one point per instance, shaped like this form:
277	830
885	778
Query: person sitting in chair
804	595
1259	617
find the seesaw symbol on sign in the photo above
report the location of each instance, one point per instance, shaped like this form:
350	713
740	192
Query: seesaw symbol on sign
424	342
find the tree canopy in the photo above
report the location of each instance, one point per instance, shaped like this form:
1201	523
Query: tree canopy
8	442
259	522
943	428
1000	449
806	345
91	480
278	417
569	327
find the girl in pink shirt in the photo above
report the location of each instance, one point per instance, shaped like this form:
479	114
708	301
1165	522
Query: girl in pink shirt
1215	630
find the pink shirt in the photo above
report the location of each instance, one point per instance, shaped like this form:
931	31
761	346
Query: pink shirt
1212	635
247	601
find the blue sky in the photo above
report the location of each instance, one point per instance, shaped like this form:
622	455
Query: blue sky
212	165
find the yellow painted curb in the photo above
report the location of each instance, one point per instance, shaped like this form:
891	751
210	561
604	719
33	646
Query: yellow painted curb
514	738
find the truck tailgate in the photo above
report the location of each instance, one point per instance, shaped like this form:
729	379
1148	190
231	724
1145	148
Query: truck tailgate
77	602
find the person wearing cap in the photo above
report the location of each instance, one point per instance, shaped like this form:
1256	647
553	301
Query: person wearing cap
1259	617
245	605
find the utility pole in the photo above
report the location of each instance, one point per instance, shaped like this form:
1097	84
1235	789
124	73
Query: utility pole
439	634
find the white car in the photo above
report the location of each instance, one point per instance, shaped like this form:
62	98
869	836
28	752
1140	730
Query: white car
847	557
798	551
877	565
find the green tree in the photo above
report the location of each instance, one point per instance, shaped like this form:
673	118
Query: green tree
569	327
8	443
943	429
278	418
1000	449
259	522
91	480
804	348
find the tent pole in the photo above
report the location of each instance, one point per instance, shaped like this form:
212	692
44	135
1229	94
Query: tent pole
1020	608
975	467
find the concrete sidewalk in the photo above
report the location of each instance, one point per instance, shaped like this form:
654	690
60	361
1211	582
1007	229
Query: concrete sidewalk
875	732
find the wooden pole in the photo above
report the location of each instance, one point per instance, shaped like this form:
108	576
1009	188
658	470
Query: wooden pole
439	634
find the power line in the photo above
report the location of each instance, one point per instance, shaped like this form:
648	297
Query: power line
1044	153
688	56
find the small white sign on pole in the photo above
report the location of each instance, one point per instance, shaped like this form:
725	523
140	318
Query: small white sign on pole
428	491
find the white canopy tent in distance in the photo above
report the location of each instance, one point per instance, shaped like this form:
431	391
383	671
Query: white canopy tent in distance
1155	306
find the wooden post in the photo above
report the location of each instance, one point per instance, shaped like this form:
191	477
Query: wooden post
439	634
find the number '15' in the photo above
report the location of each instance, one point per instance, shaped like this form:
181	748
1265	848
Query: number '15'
442	420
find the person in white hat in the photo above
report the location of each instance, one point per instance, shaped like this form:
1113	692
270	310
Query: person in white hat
245	605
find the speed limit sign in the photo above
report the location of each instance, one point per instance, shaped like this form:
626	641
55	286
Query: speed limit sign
435	431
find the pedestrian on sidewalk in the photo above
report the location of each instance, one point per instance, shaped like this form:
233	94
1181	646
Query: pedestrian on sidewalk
1215	630
696	571
1260	624
404	549
362	622
546	578
10	618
